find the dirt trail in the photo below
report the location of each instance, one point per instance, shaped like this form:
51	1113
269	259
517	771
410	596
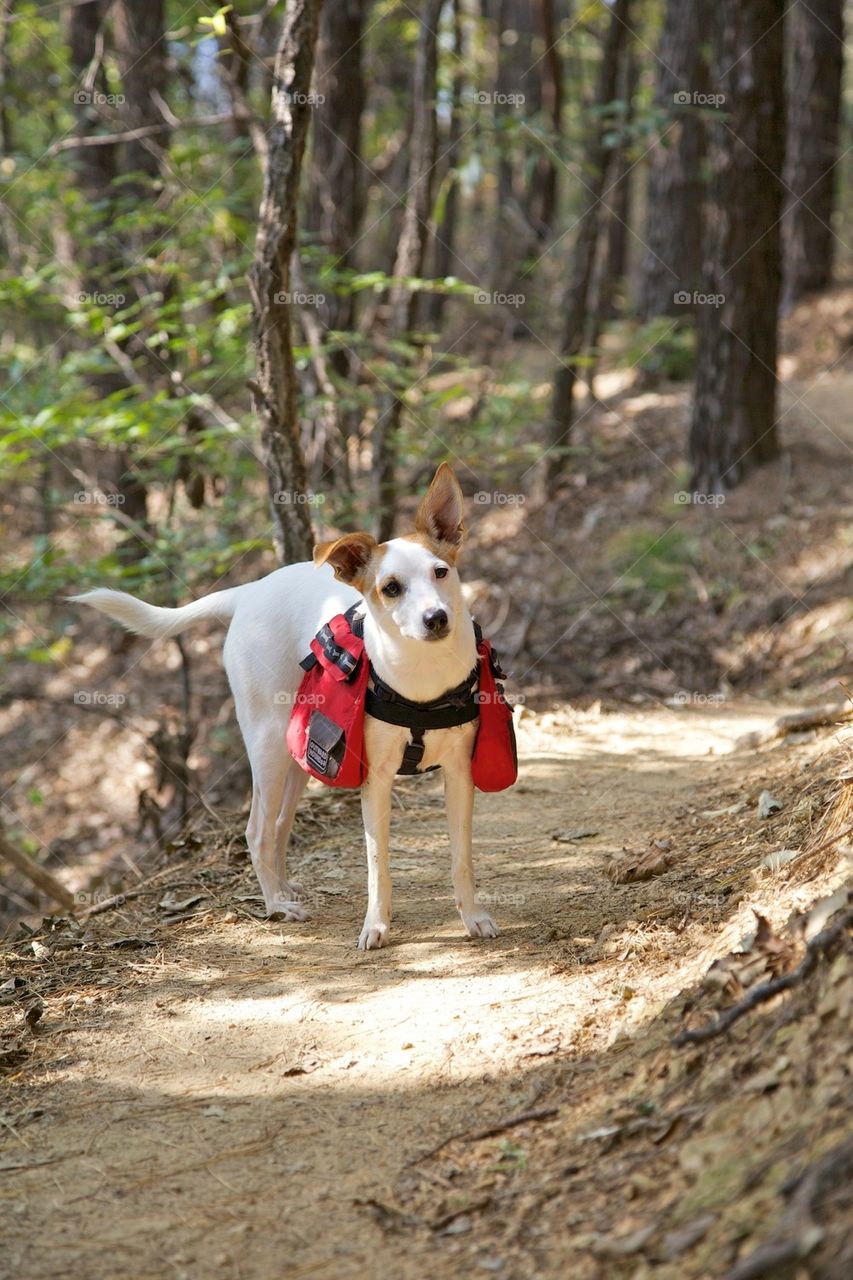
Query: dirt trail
241	1100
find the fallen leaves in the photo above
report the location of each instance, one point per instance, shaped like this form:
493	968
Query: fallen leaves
768	955
632	868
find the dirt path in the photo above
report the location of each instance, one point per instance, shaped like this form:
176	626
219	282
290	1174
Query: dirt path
241	1099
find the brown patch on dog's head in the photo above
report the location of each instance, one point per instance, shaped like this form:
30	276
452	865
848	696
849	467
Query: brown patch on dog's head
439	523
353	557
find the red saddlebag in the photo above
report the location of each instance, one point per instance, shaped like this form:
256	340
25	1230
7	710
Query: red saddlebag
494	764
325	735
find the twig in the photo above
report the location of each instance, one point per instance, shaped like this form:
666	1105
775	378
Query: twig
760	995
144	131
501	1126
827	844
42	879
797	722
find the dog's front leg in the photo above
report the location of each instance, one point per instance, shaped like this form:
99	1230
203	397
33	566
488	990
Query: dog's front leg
376	813
459	799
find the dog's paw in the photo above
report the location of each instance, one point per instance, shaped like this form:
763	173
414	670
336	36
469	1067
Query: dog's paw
479	924
289	905
373	936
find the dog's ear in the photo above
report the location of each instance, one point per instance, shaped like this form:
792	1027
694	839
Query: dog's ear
349	556
440	515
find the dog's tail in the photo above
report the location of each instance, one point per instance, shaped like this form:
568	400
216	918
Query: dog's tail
151	620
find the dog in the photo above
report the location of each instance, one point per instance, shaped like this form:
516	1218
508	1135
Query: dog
420	640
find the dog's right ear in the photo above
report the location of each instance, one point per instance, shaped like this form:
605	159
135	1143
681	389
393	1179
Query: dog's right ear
349	556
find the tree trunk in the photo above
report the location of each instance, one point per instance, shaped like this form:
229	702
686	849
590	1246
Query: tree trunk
410	256
614	257
95	167
335	205
734	415
6	140
445	262
140	36
542	200
673	233
815	67
269	282
586	241
334	211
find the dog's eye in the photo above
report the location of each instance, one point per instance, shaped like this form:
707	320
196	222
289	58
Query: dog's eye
441	571
391	588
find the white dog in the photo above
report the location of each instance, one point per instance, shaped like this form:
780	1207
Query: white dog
420	640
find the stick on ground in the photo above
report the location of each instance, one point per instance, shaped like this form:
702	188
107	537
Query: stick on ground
42	879
760	995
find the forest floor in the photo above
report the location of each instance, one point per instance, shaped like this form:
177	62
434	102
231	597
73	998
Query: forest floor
208	1093
189	1090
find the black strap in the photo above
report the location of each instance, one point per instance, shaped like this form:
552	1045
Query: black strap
411	715
341	657
457	706
413	754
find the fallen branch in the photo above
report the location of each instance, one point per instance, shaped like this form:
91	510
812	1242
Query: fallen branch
797	722
43	880
501	1126
760	995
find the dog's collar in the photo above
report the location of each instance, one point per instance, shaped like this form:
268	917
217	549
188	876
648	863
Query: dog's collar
455	707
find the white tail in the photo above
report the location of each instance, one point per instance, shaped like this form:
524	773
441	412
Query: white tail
151	620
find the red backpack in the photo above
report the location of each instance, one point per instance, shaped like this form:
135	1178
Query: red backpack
494	764
325	735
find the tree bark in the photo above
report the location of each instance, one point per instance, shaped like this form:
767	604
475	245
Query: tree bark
444	259
815	67
6	138
140	37
583	256
410	256
542	200
335	205
275	392
334	212
672	265
734	415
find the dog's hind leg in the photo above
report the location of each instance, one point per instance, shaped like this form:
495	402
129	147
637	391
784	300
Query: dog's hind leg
277	784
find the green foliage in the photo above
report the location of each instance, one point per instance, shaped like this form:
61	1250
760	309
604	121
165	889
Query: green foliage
663	349
653	564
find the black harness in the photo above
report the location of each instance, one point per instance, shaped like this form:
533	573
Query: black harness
457	706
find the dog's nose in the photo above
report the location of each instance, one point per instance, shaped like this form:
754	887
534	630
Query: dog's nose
435	621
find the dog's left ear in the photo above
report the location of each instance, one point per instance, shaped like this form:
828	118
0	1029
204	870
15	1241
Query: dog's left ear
349	556
440	515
